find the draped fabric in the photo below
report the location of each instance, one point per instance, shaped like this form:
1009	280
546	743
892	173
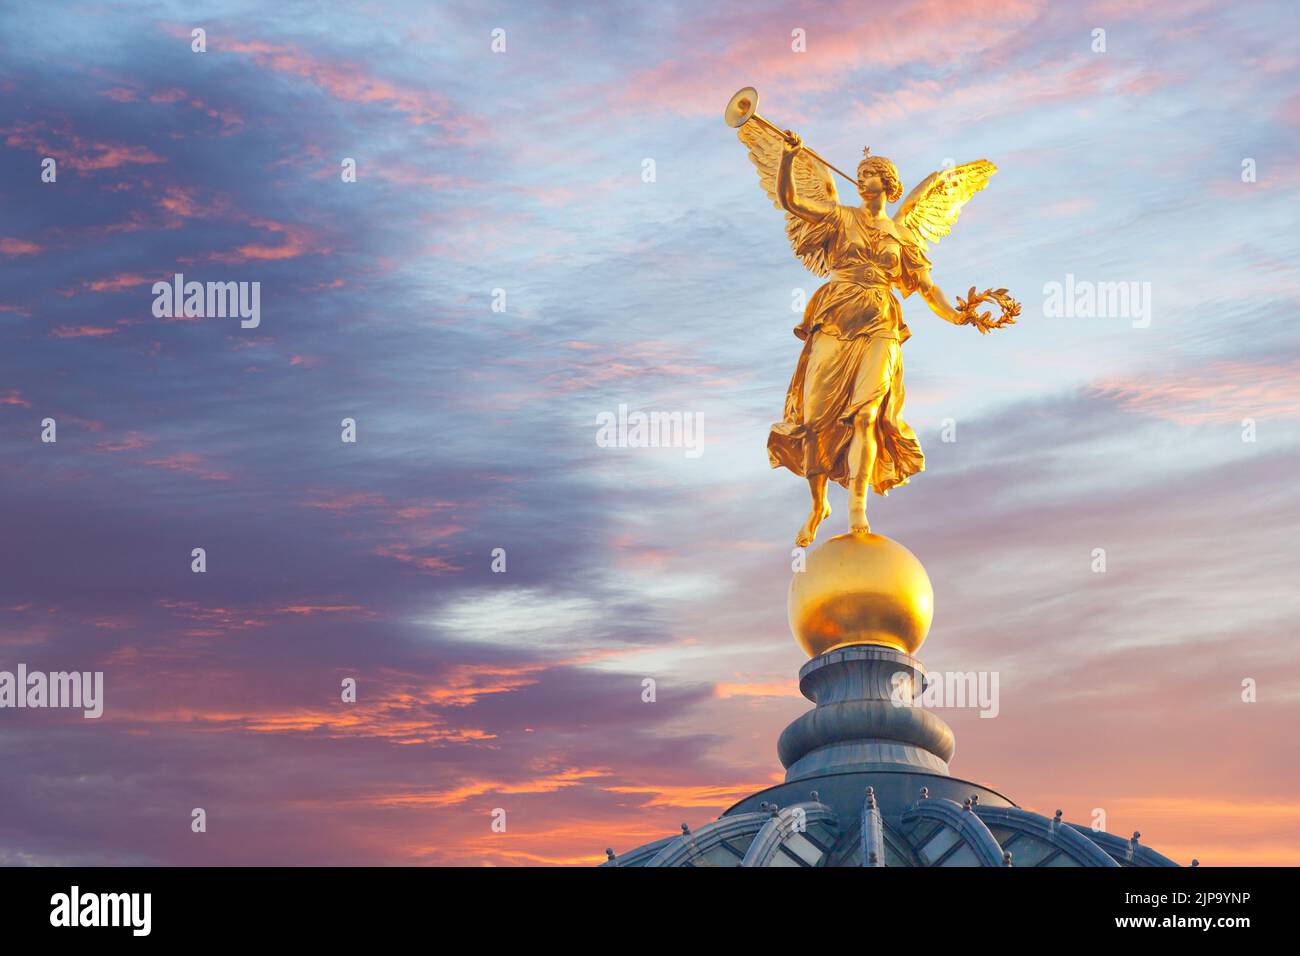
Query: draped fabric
852	330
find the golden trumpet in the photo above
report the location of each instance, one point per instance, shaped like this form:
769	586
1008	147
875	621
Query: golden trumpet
743	108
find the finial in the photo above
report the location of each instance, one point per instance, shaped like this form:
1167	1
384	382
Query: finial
871	797
925	793
1057	818
1006	857
974	799
763	806
686	831
866	150
609	854
1196	862
773	809
1136	835
966	806
872	858
815	797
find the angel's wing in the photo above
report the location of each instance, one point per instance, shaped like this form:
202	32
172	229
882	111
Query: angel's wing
931	209
812	181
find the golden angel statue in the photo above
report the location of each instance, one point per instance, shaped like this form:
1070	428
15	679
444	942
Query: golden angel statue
843	410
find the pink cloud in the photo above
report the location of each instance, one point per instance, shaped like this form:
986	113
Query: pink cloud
1289	112
110	157
1008	93
1068	207
130	442
842	39
117	283
68	148
343	503
188	463
181	202
82	331
404	531
1223	392
18	247
309	610
349	83
297	241
432	564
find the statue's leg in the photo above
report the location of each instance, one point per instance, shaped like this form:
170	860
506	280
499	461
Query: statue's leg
821	510
862	464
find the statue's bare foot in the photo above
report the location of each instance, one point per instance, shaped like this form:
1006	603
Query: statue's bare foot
809	531
858	520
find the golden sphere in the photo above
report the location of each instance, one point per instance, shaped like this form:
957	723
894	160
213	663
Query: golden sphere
860	589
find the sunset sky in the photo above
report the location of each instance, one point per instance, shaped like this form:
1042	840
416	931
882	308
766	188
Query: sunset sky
522	171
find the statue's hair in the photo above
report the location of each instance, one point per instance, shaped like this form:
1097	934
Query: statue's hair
888	173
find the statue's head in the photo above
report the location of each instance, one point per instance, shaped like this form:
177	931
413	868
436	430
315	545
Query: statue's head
877	174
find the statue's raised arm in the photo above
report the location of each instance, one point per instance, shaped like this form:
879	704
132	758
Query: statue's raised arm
799	184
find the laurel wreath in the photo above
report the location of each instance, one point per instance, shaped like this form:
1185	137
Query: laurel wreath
966	308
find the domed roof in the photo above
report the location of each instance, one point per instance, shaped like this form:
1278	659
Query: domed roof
930	831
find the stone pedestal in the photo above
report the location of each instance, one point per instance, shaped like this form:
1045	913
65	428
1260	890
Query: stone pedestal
863	721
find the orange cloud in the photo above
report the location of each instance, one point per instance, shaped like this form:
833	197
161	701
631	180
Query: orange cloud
693	797
307	610
215	621
775	689
383	720
548	783
466	683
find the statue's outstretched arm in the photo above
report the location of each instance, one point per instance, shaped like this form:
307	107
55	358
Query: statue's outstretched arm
938	302
807	209
965	312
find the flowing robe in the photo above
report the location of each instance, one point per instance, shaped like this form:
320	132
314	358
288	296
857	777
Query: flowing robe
852	331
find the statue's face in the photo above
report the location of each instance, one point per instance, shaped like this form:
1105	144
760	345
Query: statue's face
870	188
